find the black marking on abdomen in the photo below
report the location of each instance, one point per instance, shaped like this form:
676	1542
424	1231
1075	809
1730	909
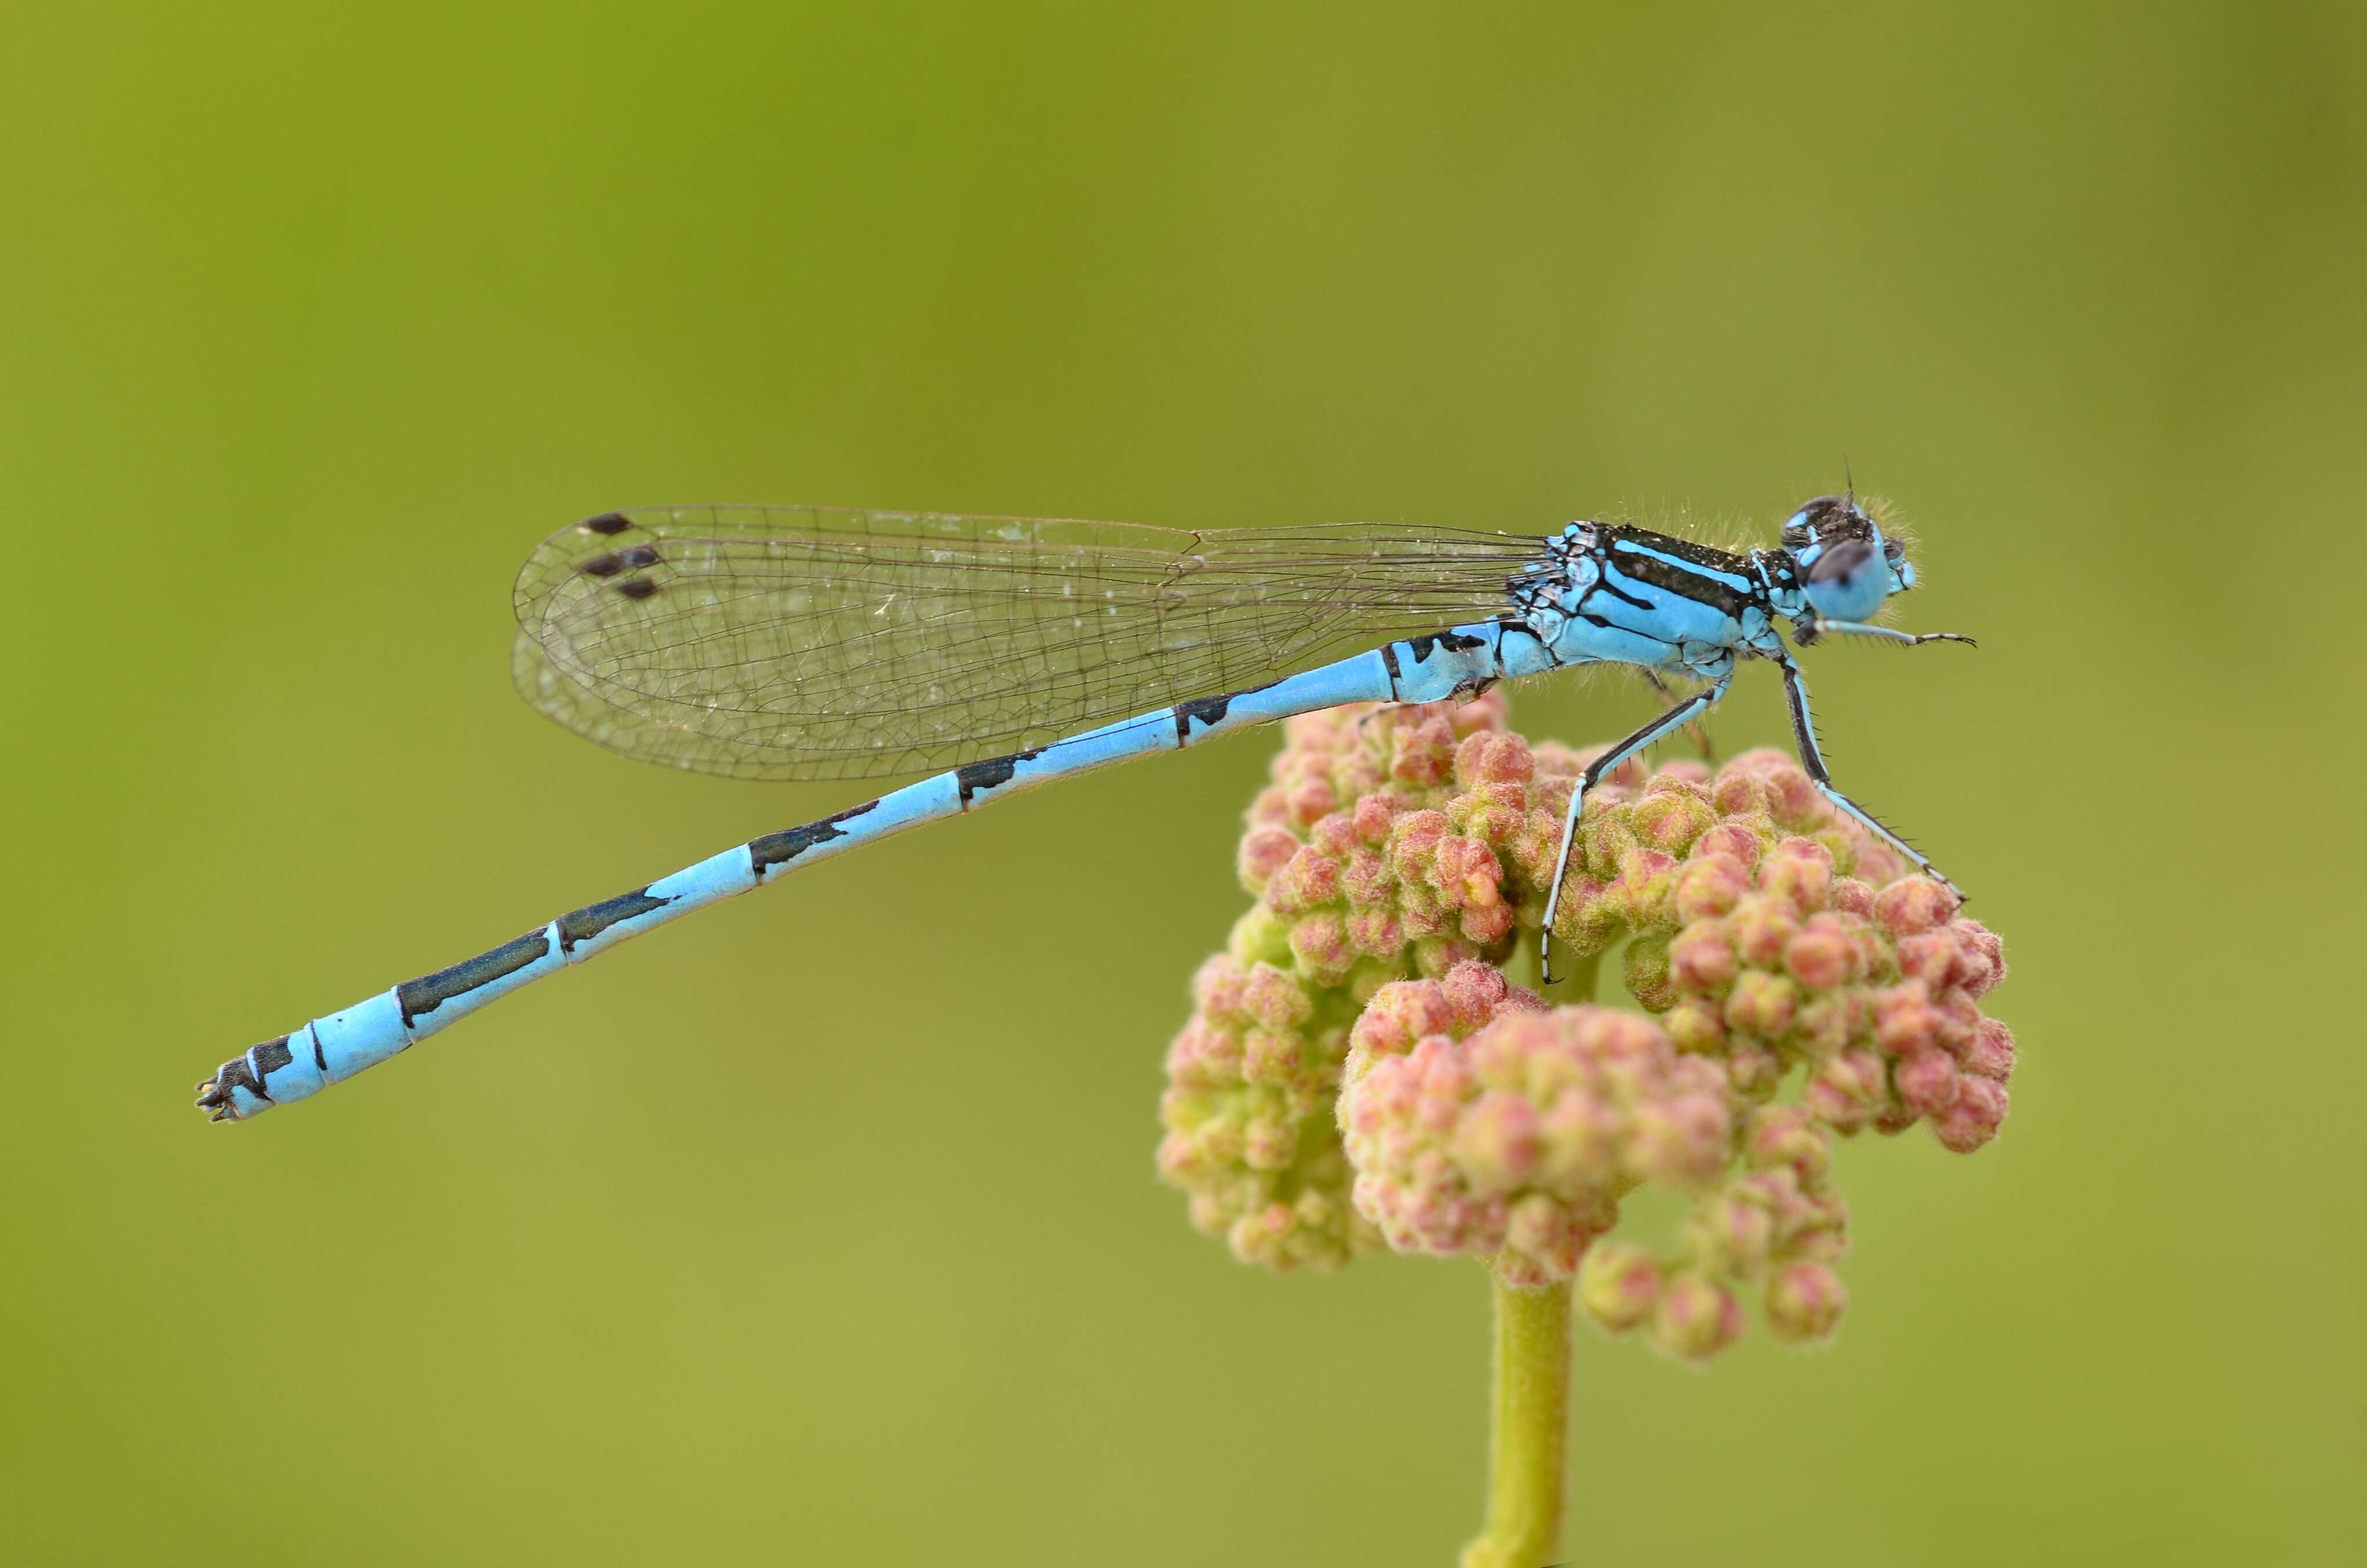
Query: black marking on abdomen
1513	624
1452	642
780	849
589	921
271	1056
1389	664
1209	711
420	997
607	523
320	1057
992	774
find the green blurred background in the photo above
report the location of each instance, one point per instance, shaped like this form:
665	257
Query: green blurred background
823	1228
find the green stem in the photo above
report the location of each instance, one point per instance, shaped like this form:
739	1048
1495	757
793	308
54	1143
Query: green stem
1528	1448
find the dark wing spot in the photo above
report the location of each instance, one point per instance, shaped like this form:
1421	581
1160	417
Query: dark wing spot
607	523
641	555
603	566
637	588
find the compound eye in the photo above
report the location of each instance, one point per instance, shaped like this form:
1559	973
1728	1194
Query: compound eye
1846	580
1840	563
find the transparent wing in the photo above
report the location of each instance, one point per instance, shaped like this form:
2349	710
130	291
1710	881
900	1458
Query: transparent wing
804	642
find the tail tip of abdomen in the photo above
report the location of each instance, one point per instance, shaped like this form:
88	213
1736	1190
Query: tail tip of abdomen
219	1095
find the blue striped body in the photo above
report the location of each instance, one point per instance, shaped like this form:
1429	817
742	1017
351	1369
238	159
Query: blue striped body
1589	595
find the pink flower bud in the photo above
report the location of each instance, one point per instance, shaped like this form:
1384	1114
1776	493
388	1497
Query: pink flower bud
1761	928
1916	903
1905	1021
1787	1137
1851	897
1979	1109
1805	1302
1645	971
1798	872
1728	1237
1790	797
1537	1225
1618	1285
1273	999
1491	756
1365	880
1269	1055
1847	1091
1980	958
1826	1025
1671	813
1647	879
1701	960
1710	885
1264	852
1927	1082
1762	1003
1732	840
1309	881
1696	1024
1683	1142
1496	1142
1696	1319
1321	945
1929	957
1821	956
1580	1141
1753	1071
1990	1055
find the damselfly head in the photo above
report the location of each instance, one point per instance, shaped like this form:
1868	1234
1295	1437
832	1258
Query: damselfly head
1848	562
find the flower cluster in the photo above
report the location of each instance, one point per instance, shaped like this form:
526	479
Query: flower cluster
1771	933
1477	1121
1783	962
1251	1079
1776	1223
1248	1110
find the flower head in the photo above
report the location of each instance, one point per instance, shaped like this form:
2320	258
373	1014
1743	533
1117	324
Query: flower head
1479	1121
1400	852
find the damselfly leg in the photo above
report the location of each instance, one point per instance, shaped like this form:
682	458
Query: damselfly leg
1804	736
1676	718
1699	731
1810	631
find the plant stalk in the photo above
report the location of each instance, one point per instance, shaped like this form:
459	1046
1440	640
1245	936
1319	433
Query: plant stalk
1528	1447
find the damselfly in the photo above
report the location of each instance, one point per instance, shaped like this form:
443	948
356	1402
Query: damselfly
814	643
